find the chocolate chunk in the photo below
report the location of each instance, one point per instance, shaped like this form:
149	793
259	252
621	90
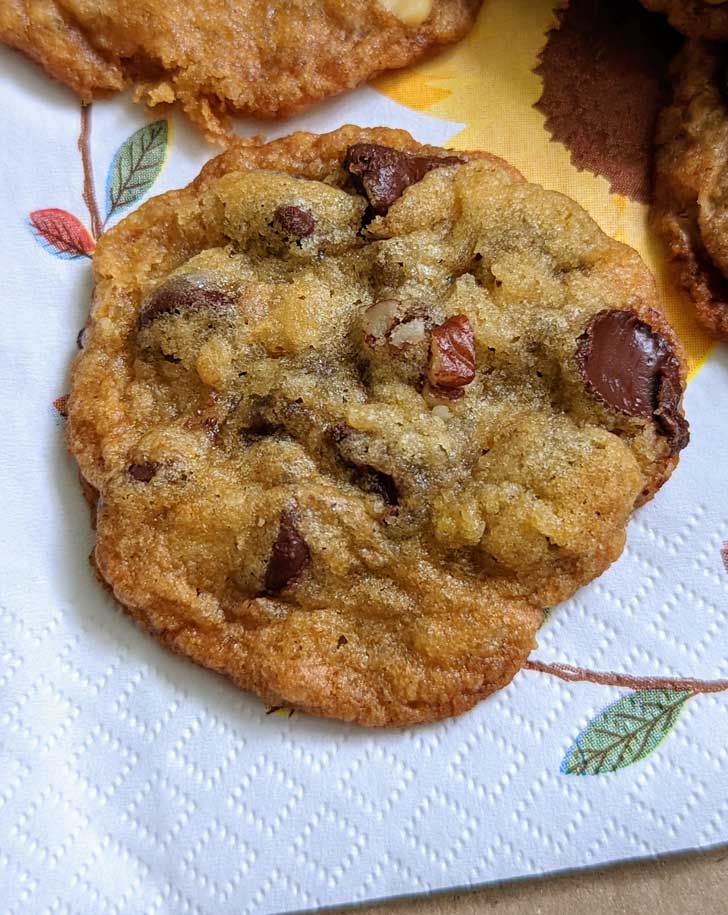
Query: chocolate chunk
452	354
632	369
289	555
294	221
382	174
81	338
182	294
143	473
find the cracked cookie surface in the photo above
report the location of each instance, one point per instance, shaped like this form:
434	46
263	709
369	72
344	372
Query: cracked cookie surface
265	58
357	410
690	208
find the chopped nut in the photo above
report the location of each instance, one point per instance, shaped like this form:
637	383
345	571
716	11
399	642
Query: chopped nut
407	333
379	319
441	410
452	354
411	12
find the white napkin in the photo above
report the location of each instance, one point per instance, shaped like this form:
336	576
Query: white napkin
134	782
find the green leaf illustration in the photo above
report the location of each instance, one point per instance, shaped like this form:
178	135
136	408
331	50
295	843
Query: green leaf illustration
136	166
625	732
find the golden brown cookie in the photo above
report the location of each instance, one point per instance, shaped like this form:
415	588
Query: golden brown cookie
357	410
690	211
265	58
696	18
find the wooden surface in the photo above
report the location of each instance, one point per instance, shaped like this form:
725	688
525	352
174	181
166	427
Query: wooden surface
695	884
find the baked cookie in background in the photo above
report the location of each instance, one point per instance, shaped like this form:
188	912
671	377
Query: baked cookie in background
263	58
356	410
696	18
690	210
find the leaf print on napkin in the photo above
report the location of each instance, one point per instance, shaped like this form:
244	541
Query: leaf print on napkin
625	732
136	166
61	233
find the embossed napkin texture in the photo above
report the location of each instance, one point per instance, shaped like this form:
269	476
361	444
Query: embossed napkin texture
133	782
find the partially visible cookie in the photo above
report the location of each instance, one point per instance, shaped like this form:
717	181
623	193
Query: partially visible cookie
265	58
695	18
358	409
690	209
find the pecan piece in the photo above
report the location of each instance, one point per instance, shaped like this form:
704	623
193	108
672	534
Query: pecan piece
452	354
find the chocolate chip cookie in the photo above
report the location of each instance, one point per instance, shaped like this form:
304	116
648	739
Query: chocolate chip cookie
696	18
265	58
691	180
356	410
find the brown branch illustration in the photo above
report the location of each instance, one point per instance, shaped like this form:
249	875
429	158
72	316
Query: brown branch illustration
609	678
89	195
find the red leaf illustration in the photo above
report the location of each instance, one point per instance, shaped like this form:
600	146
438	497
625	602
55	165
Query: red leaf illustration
61	233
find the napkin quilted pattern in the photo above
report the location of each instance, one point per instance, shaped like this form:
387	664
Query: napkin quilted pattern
132	781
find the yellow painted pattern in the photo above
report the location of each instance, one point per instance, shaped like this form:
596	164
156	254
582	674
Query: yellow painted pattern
487	83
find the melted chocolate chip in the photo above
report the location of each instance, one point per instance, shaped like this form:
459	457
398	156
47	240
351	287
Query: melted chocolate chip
80	338
289	555
181	294
382	174
294	221
143	473
632	369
